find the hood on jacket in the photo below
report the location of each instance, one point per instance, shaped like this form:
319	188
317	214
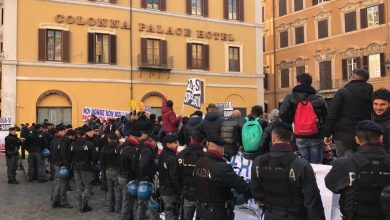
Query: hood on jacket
194	120
303	91
361	89
212	116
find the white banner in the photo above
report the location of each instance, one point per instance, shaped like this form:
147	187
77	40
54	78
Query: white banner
194	93
5	123
102	114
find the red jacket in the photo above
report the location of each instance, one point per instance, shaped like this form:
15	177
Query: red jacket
170	121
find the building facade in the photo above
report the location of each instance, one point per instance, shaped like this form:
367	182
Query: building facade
68	54
327	39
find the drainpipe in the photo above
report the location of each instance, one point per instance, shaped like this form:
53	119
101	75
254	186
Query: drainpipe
131	51
274	51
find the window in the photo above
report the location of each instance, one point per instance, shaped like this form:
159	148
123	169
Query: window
300	70
154	4
325	75
299	35
350	21
282	7
298	5
372	16
53	45
348	65
197	56
101	48
234	59
154	53
196	8
283	39
234	10
153	49
316	2
374	65
266	76
56	115
284	78
322	29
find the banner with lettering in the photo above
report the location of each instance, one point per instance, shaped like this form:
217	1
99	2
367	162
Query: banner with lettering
102	114
194	93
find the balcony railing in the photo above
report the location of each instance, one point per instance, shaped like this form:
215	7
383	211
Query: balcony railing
144	64
328	84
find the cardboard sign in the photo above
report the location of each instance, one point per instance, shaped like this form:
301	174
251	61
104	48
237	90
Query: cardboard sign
102	114
194	93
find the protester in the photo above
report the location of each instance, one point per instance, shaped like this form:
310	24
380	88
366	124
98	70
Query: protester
170	120
193	122
381	114
181	136
328	158
212	123
231	134
266	140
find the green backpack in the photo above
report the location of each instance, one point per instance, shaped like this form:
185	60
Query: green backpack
251	135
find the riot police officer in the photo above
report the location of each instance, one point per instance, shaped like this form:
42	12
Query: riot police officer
187	159
61	157
360	177
285	183
84	157
12	143
35	144
214	179
385	201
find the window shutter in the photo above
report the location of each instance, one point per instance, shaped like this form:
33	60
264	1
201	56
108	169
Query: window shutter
143	51
42	44
203	91
365	63
299	35
358	65
143	3
266	81
282	8
226	9
383	68
350	21
163	5
113	1
205	6
206	57
65	47
298	5
91	48
381	10
363	18
188	7
322	29
164	53
345	69
283	39
285	78
189	56
241	11
113	49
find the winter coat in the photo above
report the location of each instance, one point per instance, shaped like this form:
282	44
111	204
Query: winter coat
211	124
384	121
190	127
170	121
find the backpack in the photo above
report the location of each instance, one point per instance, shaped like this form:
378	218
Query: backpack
251	135
305	119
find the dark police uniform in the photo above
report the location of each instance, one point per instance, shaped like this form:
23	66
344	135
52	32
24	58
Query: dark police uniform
187	159
360	178
84	157
35	143
127	153
385	202
61	156
286	185
12	143
110	165
214	179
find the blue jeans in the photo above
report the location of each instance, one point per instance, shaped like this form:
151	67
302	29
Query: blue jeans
311	149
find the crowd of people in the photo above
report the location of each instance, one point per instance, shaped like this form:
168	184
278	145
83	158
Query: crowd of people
190	173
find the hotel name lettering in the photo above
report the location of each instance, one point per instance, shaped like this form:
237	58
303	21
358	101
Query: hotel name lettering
184	32
99	22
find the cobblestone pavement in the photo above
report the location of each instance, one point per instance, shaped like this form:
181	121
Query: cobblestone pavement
30	201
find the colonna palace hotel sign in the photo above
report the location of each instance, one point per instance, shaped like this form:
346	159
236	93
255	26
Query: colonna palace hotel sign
149	28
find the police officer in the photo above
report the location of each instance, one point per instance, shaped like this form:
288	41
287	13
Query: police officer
285	183
127	153
84	157
61	157
214	179
35	144
169	177
187	159
385	202
110	166
147	168
12	143
361	176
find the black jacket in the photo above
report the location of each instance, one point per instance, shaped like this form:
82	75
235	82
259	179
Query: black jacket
187	159
338	180
12	144
302	93
304	182
211	124
60	149
384	121
109	156
231	135
190	127
127	153
265	143
147	166
169	174
36	142
84	154
350	105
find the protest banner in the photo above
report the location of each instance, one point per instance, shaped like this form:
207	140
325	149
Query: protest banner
194	94
102	114
225	108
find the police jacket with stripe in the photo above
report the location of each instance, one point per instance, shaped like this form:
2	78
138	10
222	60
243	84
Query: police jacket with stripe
343	179
303	192
187	159
84	154
60	150
302	93
147	166
169	174
127	153
214	179
108	156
